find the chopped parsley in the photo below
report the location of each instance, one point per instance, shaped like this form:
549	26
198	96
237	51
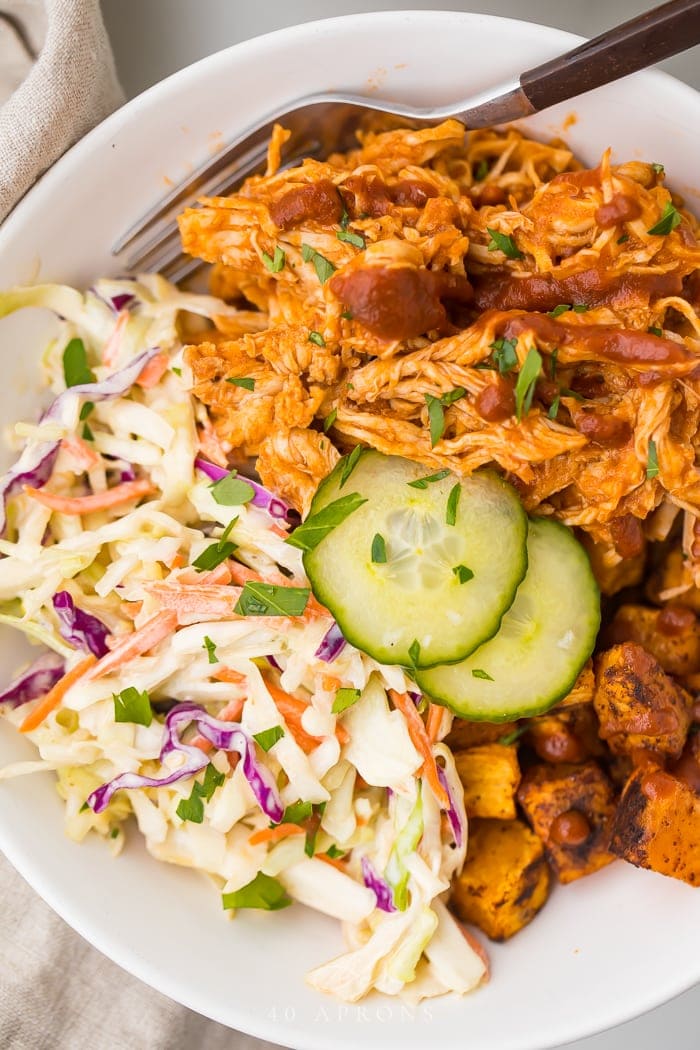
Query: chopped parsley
451	396
349	464
580	308
503	242
232	491
481	170
87	433
309	534
192	808
515	734
562	308
268	737
270	599
218	552
554	408
670	218
132	706
623	239
654	331
436	416
344	698
330	420
76	371
378	549
297	812
347	315
525	386
463	574
262	892
422	483
504	354
355	239
245	382
211	649
414	652
275	262
317	338
452	504
478	673
324	267
658	168
334	852
652	460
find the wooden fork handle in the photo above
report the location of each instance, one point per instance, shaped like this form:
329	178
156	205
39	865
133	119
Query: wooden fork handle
634	45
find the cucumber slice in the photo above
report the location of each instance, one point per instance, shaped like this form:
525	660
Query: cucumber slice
544	640
413	608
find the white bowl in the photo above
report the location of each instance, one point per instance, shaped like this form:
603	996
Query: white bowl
604	949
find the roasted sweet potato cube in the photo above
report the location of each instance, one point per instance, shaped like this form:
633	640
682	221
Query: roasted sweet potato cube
673	576
473	734
671	635
582	692
570	808
490	775
657	824
638	706
612	573
505	880
566	735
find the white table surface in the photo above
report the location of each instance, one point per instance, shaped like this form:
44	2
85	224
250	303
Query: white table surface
153	38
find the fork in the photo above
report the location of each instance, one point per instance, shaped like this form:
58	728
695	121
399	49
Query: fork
325	123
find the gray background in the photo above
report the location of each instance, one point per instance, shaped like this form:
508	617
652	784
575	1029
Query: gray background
153	38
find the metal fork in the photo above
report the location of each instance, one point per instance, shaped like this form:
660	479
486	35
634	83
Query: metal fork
326	123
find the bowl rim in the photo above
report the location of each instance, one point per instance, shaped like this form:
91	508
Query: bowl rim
101	938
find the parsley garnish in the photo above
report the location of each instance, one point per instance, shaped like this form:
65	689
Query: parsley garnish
515	734
623	239
559	310
269	737
504	354
503	243
553	359
274	263
211	649
334	853
525	386
554	408
452	503
132	706
654	331
462	573
414	652
270	599
192	808
436	415
352	238
453	395
309	534
349	464
87	433
378	549
75	366
330	420
478	673
297	812
347	315
317	338
652	460
246	382
344	698
670	218
324	267
114	833
481	170
231	491
658	168
263	892
580	308
218	552
422	483
86	410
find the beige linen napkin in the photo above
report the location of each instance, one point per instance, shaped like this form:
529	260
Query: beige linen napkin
56	992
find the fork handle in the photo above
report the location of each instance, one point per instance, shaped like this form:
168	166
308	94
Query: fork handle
634	45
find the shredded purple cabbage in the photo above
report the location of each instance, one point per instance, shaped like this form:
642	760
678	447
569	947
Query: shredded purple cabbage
127	474
331	645
116	302
452	814
416	697
34	467
273	663
116	385
78	627
228	736
380	888
263	498
35	681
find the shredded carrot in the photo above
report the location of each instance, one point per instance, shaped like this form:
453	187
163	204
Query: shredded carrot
195	604
292	708
83	454
434	722
421	742
227	674
131	609
110	354
137	643
334	862
280	831
190	577
55	695
178	562
124	493
330	684
152	373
